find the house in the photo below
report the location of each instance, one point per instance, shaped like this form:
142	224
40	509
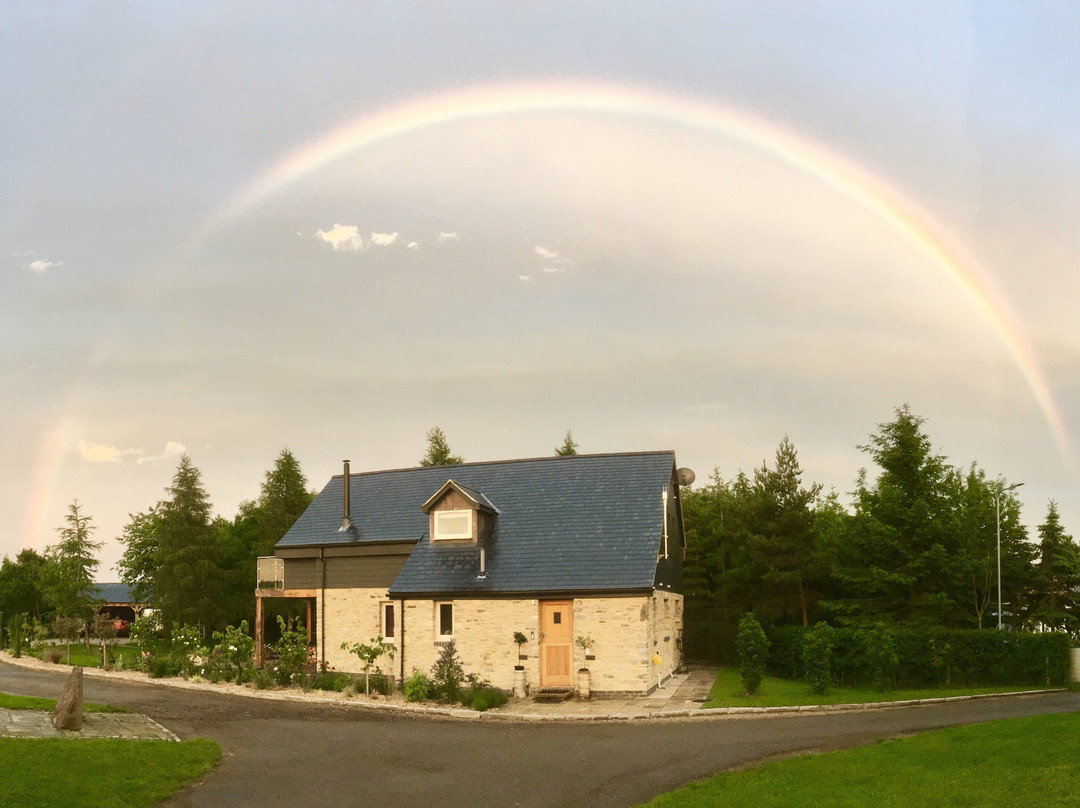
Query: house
556	548
118	602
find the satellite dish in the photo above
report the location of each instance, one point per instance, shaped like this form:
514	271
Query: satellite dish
685	476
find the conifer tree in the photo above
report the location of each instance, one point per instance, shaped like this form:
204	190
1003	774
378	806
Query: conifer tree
438	451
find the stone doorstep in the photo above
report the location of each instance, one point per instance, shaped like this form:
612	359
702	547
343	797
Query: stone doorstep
38	724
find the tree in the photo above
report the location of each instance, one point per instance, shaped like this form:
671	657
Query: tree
186	580
897	561
438	451
282	498
569	446
141	558
369	654
782	556
21	582
1057	576
68	581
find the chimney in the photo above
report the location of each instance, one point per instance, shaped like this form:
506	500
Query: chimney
346	523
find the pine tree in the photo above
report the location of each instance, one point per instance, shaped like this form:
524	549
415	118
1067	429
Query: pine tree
438	451
1058	575
187	579
283	497
69	575
569	446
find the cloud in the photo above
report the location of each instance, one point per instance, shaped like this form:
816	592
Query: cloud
96	453
412	245
559	263
383	239
545	253
172	449
525	278
42	266
444	237
562	268
342	237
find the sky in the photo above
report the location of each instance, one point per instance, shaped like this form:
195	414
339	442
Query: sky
232	228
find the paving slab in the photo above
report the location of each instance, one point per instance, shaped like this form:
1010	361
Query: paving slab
38	724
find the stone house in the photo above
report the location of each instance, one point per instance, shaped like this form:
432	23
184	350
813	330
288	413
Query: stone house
555	548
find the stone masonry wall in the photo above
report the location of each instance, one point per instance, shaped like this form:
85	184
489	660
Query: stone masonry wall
352	615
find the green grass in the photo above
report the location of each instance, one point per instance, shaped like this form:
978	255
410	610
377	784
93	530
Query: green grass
10	702
727	691
1017	762
91	658
99	772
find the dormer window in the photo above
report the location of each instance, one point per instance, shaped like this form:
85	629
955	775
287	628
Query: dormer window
456	524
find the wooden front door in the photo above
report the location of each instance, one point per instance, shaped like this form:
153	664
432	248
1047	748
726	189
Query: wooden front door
556	643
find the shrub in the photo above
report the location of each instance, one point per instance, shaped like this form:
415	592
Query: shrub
482	698
369	654
753	648
417	687
817	650
329	680
881	656
162	665
262	679
292	652
54	656
236	647
186	648
447	674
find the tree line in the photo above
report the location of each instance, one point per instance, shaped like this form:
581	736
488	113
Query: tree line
917	544
194	567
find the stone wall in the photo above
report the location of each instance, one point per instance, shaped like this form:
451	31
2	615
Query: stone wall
626	633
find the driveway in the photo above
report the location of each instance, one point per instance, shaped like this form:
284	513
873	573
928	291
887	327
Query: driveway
295	755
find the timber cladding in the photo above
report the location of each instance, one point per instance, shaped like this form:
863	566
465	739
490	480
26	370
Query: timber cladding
349	572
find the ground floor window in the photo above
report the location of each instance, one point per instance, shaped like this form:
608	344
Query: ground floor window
444	620
389	624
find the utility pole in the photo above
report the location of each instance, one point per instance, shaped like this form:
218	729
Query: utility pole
997	505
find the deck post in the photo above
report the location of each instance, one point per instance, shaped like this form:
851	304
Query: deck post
260	619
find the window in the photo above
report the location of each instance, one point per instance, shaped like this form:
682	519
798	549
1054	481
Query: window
444	621
389	625
452	525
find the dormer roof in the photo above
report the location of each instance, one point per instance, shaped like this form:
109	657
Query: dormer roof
476	499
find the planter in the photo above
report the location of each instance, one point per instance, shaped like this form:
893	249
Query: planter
521	687
584	683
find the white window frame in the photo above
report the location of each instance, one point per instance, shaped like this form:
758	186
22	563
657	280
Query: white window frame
387	638
439	535
439	636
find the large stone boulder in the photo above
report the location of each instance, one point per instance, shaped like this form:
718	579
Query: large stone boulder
68	713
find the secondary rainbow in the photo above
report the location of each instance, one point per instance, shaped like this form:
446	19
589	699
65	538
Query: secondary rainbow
835	171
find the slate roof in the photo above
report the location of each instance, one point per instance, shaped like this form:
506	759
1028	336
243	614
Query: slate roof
113	593
565	524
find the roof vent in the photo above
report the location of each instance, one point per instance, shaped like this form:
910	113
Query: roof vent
346	522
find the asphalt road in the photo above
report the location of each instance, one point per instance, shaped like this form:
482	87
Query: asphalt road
296	755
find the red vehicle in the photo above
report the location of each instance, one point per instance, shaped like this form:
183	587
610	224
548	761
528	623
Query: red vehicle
122	626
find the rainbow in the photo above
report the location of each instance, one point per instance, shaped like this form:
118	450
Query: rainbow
811	159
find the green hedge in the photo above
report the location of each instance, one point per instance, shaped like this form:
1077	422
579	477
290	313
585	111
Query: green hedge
935	656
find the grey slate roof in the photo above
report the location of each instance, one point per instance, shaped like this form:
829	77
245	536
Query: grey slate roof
565	524
113	593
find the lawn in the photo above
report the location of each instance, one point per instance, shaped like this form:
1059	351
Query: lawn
99	772
1018	762
728	691
91	658
10	702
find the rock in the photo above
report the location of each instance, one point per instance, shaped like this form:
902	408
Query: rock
68	713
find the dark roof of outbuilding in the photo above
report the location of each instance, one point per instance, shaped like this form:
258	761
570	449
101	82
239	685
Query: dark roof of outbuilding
565	524
113	593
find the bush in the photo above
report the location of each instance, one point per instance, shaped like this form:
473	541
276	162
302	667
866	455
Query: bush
447	674
187	649
236	647
817	657
927	656
417	687
262	679
753	649
482	698
328	680
161	665
292	652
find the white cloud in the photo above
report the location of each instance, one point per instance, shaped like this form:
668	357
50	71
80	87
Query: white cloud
342	237
383	239
444	237
545	253
96	453
412	245
560	268
525	278
172	449
42	266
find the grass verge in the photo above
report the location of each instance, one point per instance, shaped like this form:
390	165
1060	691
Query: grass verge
99	772
10	702
727	691
89	659
1017	762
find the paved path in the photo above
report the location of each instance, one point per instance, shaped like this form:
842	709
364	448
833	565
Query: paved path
281	753
38	724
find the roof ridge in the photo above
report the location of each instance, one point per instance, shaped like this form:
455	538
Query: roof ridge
511	461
